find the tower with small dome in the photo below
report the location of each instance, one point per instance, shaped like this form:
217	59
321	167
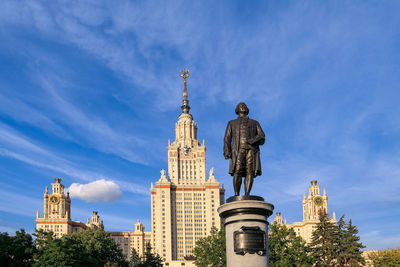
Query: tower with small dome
313	205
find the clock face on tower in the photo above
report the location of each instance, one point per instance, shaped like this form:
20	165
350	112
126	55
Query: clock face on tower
318	201
54	199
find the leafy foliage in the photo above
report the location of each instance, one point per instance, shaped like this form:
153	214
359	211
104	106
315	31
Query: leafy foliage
86	248
16	250
331	246
386	258
57	252
5	243
98	245
324	242
211	250
287	249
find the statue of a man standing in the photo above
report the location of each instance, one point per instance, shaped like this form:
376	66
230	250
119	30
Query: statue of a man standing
243	136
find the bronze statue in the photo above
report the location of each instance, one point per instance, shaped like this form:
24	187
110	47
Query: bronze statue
243	136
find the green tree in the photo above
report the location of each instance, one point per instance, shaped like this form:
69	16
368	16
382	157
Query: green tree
98	245
211	250
386	258
348	245
287	249
86	248
151	259
16	250
134	260
58	252
324	241
5	244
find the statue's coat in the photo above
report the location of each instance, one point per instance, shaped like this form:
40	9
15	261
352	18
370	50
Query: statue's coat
231	143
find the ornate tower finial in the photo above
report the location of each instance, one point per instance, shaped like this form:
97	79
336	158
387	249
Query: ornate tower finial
185	107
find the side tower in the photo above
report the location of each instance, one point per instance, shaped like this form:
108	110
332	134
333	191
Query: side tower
57	213
57	210
134	239
94	221
183	202
313	204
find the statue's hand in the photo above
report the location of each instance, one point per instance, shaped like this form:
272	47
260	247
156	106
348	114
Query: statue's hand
227	156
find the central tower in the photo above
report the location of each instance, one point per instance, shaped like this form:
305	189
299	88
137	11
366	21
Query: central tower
186	157
183	201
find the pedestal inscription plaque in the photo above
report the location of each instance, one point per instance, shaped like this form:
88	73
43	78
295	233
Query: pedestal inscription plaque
246	229
250	240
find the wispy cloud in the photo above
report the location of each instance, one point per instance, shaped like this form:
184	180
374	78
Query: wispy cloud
18	110
34	155
376	240
19	204
322	79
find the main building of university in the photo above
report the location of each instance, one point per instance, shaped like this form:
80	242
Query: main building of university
184	203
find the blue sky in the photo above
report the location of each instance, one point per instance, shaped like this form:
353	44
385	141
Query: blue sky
90	92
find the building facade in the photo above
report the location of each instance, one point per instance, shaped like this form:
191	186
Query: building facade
136	239
313	204
57	213
184	200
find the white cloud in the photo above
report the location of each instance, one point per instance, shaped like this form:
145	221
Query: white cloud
97	191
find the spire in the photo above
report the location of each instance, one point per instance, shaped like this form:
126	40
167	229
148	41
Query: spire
46	192
185	102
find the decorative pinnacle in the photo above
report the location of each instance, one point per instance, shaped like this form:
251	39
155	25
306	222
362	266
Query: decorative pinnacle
185	102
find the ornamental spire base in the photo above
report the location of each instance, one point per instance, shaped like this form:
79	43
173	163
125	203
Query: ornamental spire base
185	107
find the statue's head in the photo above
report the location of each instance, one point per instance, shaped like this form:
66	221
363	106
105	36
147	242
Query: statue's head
242	108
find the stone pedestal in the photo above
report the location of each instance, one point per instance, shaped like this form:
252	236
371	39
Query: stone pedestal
246	226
